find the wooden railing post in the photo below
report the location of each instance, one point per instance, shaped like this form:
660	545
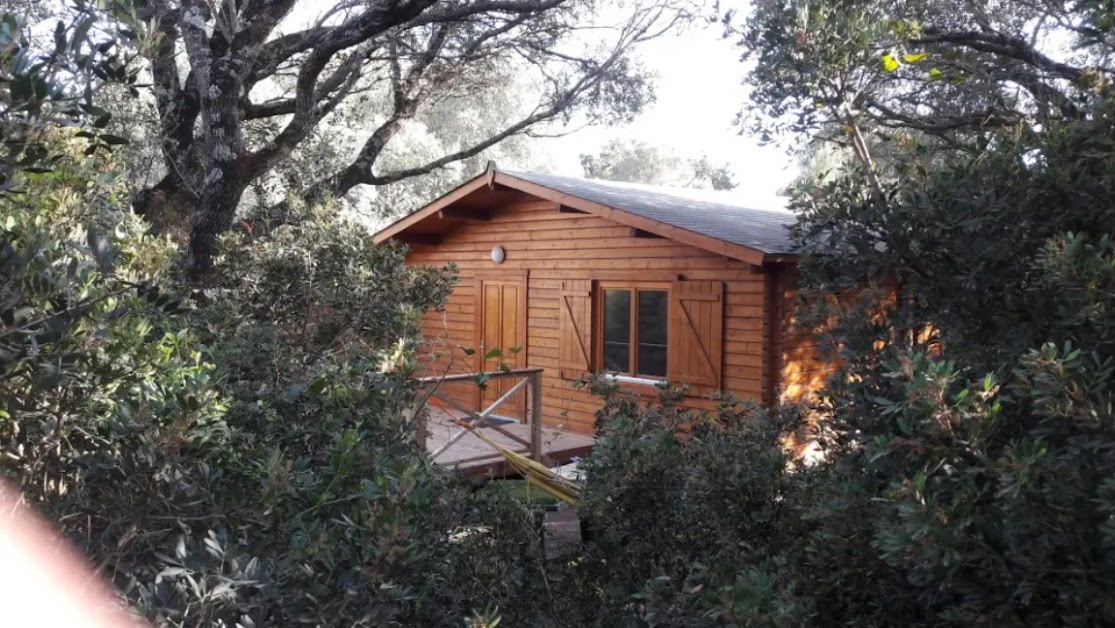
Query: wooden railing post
536	416
530	384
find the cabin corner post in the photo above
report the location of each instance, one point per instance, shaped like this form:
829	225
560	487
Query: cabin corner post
772	338
536	416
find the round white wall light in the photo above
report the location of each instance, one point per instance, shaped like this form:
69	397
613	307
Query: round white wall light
498	254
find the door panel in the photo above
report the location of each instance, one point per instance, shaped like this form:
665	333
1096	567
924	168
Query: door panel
503	326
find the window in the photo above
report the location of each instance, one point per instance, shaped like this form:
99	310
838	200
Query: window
645	330
634	329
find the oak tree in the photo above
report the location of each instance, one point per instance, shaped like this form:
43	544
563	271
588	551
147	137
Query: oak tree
945	71
223	70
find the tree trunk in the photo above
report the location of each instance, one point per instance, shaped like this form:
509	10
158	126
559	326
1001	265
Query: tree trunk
214	215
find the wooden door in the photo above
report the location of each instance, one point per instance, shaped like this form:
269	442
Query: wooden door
502	325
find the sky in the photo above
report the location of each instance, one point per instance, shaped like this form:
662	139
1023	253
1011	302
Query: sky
699	92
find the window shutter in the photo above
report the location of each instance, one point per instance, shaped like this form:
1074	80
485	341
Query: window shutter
696	333
575	328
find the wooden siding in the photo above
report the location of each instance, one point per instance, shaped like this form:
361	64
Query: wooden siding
554	246
801	371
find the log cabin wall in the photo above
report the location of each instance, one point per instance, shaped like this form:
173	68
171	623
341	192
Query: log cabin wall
550	246
801	371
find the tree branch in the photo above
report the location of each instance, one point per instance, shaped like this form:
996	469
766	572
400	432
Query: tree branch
1002	45
340	77
361	170
471	151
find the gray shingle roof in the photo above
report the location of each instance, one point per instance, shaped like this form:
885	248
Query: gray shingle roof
714	214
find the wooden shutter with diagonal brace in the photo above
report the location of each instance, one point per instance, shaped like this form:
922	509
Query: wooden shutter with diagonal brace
696	333
575	328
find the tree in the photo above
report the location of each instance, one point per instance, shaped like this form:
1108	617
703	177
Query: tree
972	268
949	71
639	162
436	130
246	68
200	455
943	90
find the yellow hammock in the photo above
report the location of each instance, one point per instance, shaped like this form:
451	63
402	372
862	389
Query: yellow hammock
537	474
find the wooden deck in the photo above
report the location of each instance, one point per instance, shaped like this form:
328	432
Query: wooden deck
472	456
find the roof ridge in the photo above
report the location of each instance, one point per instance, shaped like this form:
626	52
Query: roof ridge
719	197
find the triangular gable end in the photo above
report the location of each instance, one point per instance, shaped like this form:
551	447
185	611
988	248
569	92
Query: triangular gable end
436	216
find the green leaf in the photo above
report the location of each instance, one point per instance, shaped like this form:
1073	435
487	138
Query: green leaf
934	74
113	140
890	64
914	58
318	386
494	353
81	32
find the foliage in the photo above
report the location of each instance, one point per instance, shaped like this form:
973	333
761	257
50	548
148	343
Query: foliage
949	70
51	84
86	346
86	342
241	457
979	502
292	302
218	469
639	162
946	498
958	242
681	508
963	282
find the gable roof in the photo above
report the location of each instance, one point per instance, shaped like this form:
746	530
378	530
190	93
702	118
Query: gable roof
701	211
709	220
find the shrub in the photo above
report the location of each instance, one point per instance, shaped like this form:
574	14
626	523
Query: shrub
248	460
685	511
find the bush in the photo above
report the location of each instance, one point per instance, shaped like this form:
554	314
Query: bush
248	460
684	512
972	409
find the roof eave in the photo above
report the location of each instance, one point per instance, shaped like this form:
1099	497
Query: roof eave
435	206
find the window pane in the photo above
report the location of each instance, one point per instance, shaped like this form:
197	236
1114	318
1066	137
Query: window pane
653	305
617	357
652	317
652	360
617	330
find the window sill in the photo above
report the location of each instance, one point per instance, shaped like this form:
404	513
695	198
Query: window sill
627	379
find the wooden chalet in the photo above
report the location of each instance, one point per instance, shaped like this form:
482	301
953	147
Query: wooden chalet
645	283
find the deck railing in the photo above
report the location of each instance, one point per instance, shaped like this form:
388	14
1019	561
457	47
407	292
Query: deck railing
530	379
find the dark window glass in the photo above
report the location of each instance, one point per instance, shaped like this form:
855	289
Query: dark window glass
652	360
617	330
653	306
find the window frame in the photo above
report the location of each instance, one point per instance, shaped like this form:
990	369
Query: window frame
598	325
